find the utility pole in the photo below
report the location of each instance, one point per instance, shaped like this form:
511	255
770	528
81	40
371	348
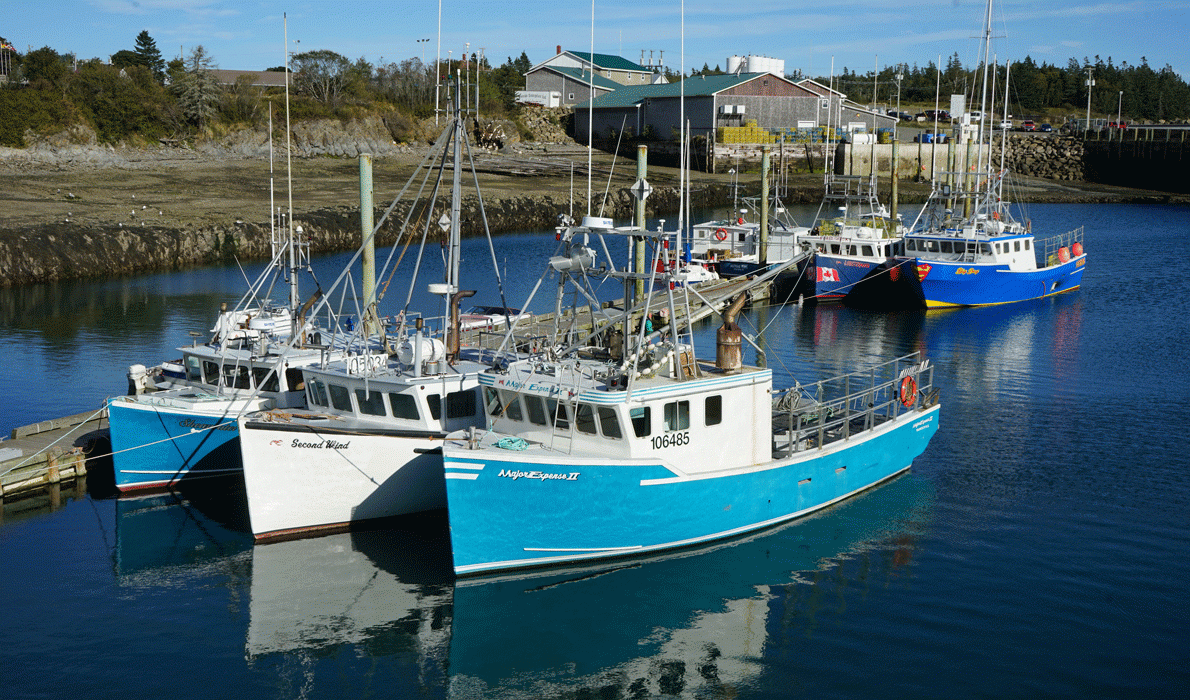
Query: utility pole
1090	84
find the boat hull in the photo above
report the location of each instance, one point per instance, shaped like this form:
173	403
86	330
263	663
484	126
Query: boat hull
509	510
158	446
945	284
303	481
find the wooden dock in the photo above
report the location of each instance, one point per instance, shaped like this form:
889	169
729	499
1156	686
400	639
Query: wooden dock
49	453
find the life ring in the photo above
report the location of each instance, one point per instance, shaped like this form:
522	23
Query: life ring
996	215
740	221
1063	254
1076	249
720	234
908	394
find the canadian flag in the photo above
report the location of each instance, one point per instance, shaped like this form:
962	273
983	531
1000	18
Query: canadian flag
828	274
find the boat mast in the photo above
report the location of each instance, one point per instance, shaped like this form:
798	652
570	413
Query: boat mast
294	296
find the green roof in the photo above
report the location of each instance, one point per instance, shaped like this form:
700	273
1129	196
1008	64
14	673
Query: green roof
608	61
696	86
584	77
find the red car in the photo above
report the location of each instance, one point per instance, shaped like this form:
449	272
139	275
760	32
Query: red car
1117	125
1028	126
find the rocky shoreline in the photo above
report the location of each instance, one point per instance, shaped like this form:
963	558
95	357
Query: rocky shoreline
75	209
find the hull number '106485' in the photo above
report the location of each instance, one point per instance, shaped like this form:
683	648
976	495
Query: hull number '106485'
671	440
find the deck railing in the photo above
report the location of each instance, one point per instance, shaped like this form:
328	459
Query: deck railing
848	405
1050	246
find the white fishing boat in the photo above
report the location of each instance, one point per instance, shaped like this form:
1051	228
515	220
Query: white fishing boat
366	444
616	442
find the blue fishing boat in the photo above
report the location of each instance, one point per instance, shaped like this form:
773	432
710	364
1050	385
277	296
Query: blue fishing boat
989	256
971	249
600	448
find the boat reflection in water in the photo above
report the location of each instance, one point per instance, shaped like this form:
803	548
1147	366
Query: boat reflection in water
686	624
690	624
180	534
379	589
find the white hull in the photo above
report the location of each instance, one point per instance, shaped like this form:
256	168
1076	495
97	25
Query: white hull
301	481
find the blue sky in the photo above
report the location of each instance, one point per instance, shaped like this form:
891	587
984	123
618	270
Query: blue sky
248	34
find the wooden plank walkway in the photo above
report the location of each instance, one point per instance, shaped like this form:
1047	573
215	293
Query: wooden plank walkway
49	452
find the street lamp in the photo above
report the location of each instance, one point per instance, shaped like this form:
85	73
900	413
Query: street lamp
1120	111
899	76
423	49
1090	83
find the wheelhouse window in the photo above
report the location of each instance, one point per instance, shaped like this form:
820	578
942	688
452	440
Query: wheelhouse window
641	421
403	406
236	376
370	402
460	404
1026	244
266	379
558	414
210	372
294	379
1016	246
512	407
318	393
193	368
340	399
492	402
713	410
584	419
867	250
608	423
677	415
947	247
536	410
435	402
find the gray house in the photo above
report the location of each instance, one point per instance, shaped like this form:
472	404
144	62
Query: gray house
571	74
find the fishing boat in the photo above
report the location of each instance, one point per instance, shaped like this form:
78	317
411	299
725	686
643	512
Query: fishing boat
366	444
615	442
859	255
178	421
970	247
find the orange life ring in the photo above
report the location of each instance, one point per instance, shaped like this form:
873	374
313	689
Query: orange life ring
908	394
720	234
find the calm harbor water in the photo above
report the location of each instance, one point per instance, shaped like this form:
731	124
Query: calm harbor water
1039	548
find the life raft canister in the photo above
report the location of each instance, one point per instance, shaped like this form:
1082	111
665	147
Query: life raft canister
720	234
908	394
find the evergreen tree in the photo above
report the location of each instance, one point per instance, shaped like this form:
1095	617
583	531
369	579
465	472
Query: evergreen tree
150	57
197	89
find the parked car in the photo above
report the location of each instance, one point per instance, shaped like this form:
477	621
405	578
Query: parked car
976	115
1118	125
940	114
1028	125
1006	124
1045	127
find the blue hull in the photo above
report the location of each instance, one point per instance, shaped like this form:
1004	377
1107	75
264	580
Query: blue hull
610	509
945	284
158	447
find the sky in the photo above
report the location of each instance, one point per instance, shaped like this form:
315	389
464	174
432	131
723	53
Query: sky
857	34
